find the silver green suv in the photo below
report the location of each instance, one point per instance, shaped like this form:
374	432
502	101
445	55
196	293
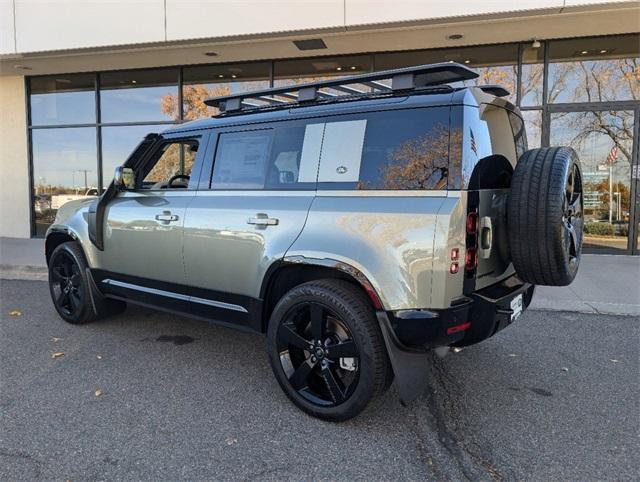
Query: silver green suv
359	222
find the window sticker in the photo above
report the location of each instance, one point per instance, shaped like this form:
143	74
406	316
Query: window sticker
342	151
310	152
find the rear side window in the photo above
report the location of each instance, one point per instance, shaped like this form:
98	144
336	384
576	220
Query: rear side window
399	149
274	158
519	134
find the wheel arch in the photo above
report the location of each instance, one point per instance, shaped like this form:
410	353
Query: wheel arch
292	271
55	237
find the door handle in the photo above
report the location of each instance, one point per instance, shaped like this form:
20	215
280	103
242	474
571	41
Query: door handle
263	220
167	217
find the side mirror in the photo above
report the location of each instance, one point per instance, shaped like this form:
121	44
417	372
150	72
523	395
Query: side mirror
124	178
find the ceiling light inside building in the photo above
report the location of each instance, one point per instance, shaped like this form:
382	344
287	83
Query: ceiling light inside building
233	76
338	69
220	76
467	61
310	44
603	51
584	52
353	67
536	44
455	36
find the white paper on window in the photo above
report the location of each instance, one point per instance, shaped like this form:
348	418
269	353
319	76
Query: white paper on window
342	151
310	152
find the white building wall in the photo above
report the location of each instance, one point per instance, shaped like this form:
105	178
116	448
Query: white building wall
14	167
51	25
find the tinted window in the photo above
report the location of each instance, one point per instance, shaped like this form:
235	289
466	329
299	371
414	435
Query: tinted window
519	134
278	158
403	149
63	99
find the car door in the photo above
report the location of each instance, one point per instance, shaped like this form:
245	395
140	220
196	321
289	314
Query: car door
263	182
143	233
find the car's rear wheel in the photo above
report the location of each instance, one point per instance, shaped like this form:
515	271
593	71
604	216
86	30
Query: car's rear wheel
75	298
326	349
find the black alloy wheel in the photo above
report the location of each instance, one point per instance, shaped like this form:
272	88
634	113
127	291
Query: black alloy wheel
66	283
326	349
318	354
572	217
73	293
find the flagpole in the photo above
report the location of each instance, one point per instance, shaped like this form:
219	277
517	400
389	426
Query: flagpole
610	192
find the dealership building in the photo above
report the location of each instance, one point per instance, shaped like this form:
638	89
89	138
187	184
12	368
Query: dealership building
82	81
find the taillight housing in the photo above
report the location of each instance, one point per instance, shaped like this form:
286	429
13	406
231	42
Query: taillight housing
471	253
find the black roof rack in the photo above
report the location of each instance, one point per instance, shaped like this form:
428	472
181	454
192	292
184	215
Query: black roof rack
405	79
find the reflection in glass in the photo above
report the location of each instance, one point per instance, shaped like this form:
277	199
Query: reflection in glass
595	69
533	126
603	141
137	95
62	99
203	82
288	72
532	75
495	64
64	168
118	143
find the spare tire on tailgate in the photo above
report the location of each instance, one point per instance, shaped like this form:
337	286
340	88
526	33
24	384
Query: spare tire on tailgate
544	216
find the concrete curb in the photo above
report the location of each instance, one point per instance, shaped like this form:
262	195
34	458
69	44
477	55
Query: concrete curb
32	273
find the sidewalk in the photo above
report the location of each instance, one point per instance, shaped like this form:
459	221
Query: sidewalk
605	284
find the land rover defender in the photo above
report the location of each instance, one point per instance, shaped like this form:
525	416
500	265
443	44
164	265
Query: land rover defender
358	222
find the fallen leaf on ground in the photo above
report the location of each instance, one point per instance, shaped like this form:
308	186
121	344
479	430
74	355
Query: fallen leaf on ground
99	357
614	360
15	313
512	354
564	369
57	354
231	441
55	339
429	461
98	392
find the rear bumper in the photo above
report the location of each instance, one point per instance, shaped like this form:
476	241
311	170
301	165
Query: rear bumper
476	318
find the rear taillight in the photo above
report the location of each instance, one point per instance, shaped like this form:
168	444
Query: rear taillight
471	259
471	254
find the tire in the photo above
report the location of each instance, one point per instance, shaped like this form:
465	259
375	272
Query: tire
73	293
321	385
545	216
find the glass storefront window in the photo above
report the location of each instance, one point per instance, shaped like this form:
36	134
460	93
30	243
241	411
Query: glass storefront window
63	99
595	69
532	75
603	141
287	72
138	95
65	168
533	125
118	143
495	64
200	83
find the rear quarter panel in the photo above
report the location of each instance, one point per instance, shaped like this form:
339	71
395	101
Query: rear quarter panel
386	235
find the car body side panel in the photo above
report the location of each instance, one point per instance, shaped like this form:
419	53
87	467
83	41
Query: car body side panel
386	235
223	252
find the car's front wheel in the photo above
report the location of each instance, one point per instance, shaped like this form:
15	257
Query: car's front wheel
72	292
326	349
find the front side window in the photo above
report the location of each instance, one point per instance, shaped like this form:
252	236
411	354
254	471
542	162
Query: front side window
172	166
401	149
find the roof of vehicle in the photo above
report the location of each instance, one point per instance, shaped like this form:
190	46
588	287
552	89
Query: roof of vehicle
420	86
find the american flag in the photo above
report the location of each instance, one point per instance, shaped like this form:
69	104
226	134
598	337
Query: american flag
611	158
474	148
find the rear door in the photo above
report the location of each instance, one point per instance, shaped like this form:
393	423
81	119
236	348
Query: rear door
262	184
493	141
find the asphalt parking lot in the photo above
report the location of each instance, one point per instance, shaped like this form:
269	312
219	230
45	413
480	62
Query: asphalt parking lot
148	395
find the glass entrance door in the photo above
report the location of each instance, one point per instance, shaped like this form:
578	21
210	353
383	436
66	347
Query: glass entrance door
604	143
